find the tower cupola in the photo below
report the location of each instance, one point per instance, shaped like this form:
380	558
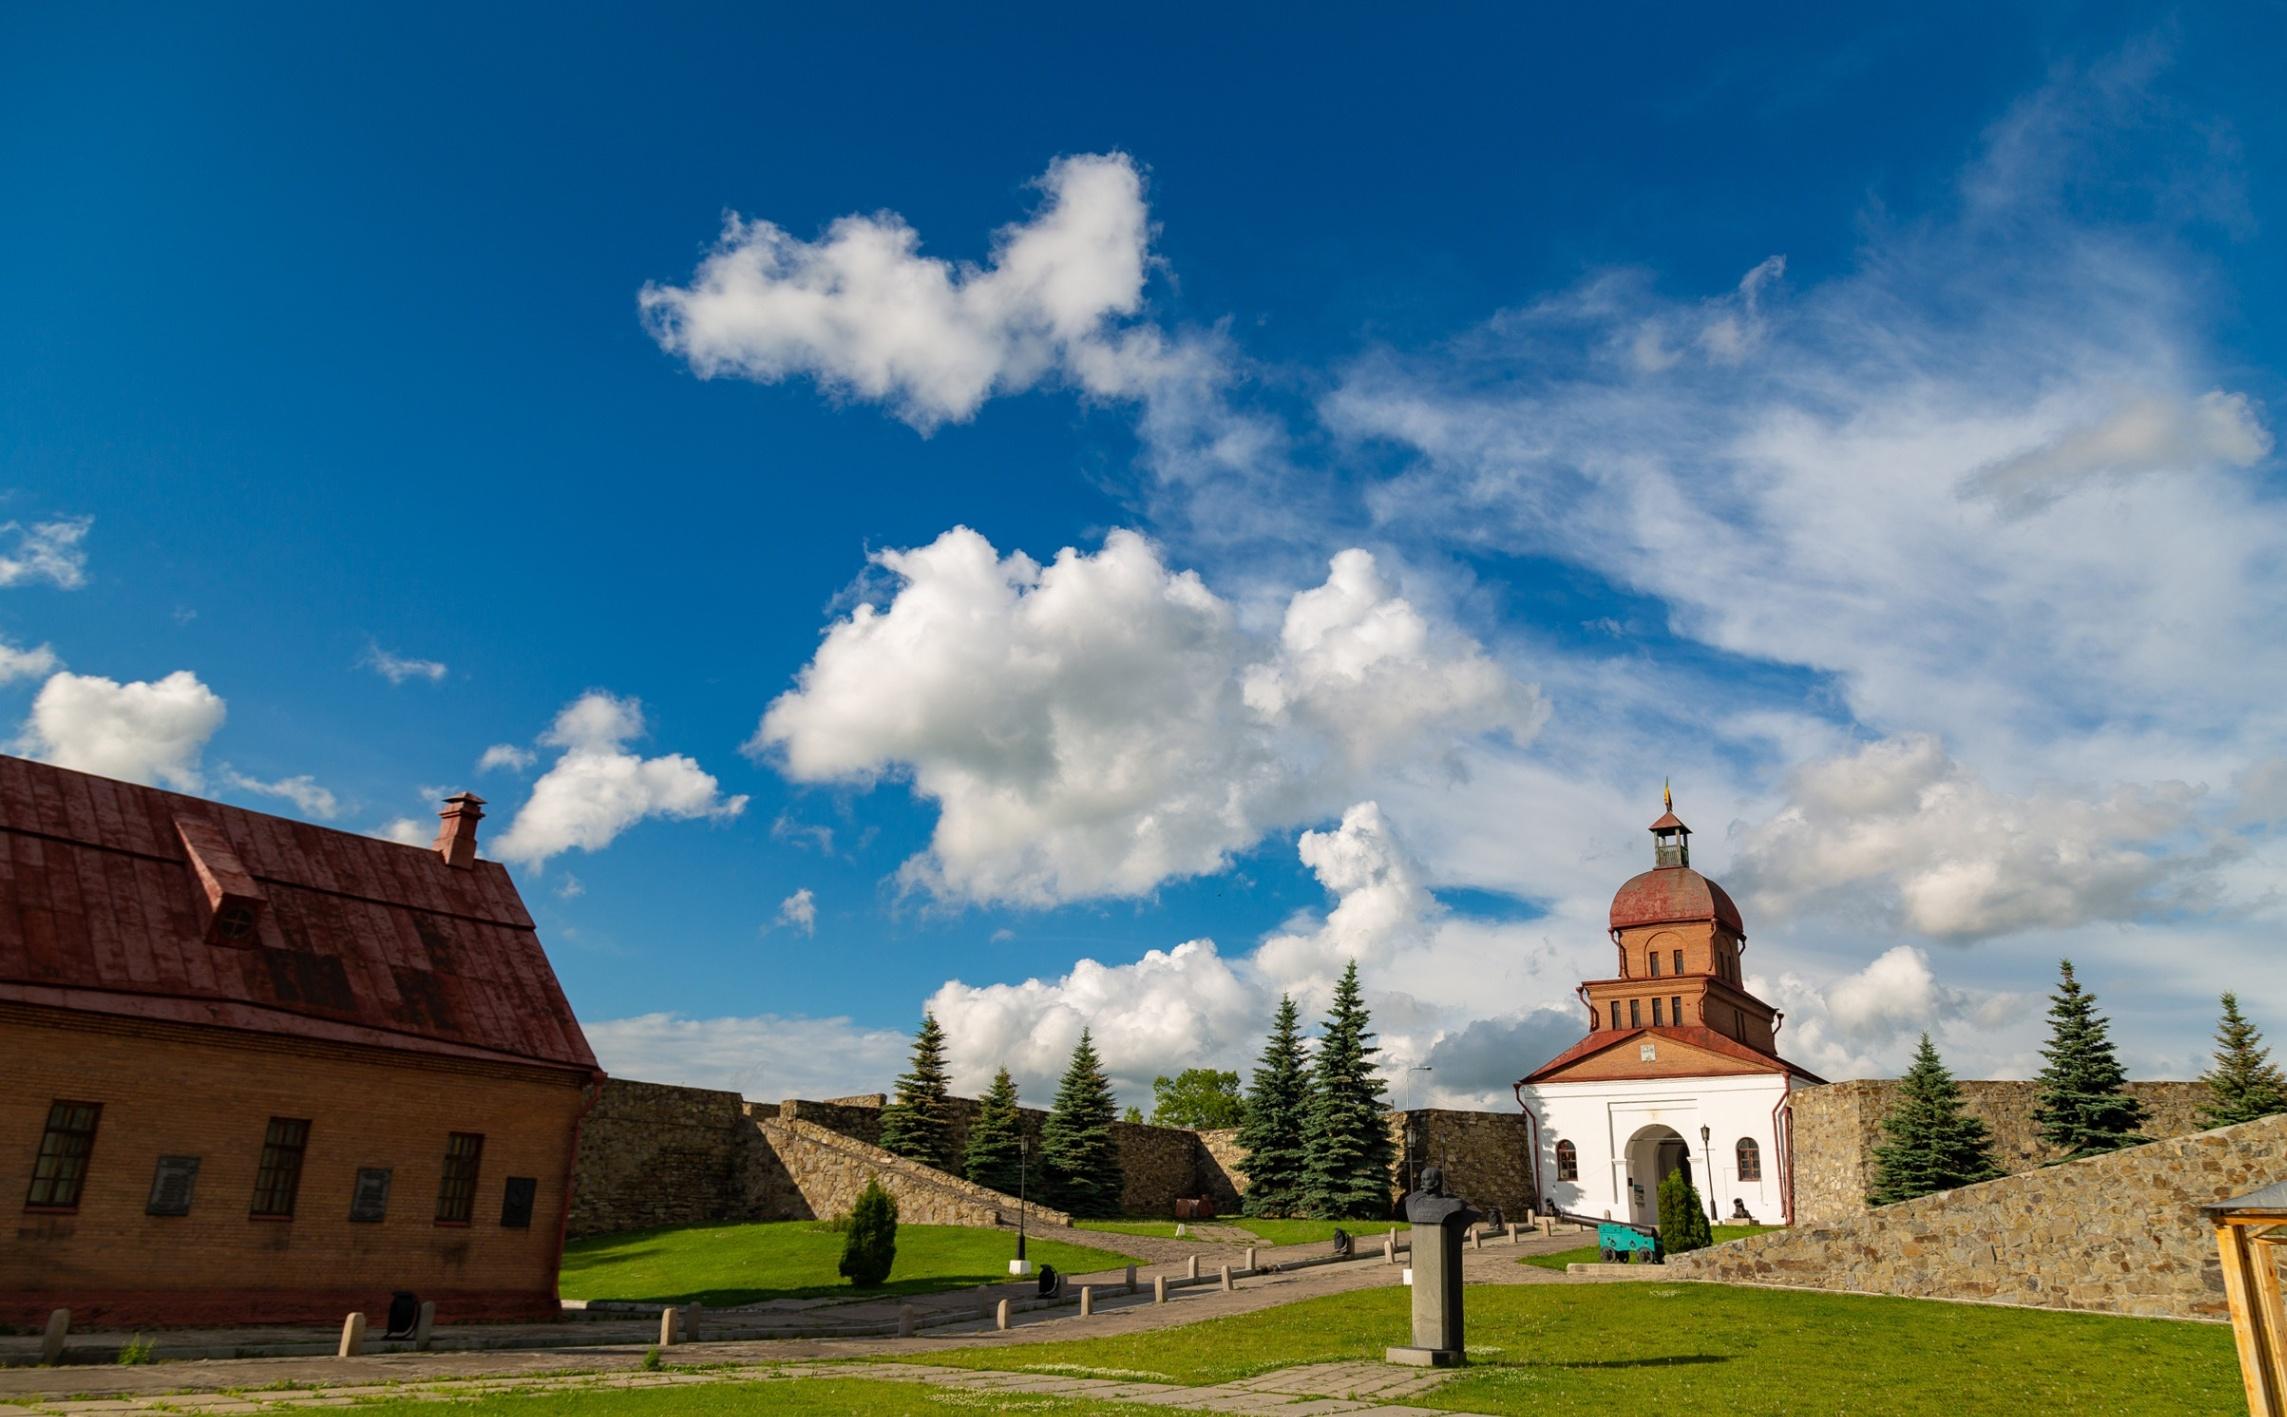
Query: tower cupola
1671	839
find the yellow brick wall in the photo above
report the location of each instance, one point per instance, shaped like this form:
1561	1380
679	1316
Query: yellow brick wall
171	1090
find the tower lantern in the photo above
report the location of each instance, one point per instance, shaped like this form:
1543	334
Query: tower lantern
1671	838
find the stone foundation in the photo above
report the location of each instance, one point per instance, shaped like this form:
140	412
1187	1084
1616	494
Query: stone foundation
2119	1234
1837	1127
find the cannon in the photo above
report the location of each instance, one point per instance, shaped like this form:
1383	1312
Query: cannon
1618	1242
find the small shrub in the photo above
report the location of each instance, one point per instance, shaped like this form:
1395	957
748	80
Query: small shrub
836	1224
136	1352
1683	1219
870	1247
652	1362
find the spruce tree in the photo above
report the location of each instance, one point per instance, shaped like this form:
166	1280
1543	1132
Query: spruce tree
869	1246
1346	1139
2244	1084
1270	1140
1683	1215
995	1156
919	1124
1931	1144
1079	1163
2083	1108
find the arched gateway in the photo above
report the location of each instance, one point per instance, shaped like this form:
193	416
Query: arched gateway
1680	1068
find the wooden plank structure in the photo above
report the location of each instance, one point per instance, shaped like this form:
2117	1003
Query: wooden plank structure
2251	1234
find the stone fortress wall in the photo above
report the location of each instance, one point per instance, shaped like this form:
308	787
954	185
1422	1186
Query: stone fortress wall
1838	1125
656	1155
2120	1233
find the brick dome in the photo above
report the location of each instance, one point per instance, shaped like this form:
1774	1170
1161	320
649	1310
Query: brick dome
1671	895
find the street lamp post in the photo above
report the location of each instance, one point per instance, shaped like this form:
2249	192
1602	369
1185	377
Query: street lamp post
1707	1154
1020	1265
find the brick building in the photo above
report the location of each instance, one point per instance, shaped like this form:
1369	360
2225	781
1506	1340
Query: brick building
254	1070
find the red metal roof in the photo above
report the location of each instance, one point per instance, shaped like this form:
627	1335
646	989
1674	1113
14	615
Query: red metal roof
108	901
1668	895
1706	1038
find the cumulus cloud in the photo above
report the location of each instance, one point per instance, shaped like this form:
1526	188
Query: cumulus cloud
597	788
800	911
1865	1023
32	663
398	668
863	312
144	732
49	551
302	790
765	1057
506	756
1426	974
1104	723
1964	860
406	831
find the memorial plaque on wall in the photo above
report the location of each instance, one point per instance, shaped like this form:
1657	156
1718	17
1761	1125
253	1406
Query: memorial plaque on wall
171	1186
516	1203
370	1201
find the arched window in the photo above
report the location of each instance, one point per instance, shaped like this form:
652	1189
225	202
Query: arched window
1750	1160
1567	1162
1655	958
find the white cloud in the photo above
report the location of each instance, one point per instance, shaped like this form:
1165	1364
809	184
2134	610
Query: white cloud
570	888
46	551
1426	975
1866	1023
32	663
865	313
1964	860
144	732
406	831
2144	434
597	789
1105	723
766	1057
506	756
800	910
302	790
397	668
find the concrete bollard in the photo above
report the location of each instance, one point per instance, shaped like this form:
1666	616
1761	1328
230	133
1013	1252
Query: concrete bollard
1001	1314
1548	1225
424	1327
1390	1248
667	1327
1178	1229
1159	1289
1227	1285
1131	1279
352	1336
52	1342
905	1321
1513	1233
1250	1259
1476	1238
1087	1300
1193	1272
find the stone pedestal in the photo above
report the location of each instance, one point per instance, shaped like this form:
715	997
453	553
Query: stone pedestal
1439	1224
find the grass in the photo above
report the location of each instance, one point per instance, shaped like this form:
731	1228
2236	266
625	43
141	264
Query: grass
803	1397
1270	1232
723	1265
1702	1347
1157	1229
1586	1254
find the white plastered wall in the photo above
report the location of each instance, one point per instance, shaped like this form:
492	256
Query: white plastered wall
1602	1119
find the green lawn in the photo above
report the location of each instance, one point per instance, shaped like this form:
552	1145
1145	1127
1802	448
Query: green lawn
721	1265
1542	1349
1311	1232
806	1397
1161	1229
1586	1254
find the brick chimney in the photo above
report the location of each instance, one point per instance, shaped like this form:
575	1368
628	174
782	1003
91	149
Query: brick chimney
456	839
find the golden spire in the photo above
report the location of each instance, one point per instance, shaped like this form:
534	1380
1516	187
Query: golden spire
1666	796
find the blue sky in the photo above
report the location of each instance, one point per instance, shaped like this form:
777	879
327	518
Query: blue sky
1479	418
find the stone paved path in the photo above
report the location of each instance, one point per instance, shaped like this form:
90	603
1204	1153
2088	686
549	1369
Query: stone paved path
616	1354
1365	1389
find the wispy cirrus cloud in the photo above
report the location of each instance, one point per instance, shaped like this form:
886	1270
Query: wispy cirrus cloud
397	668
53	552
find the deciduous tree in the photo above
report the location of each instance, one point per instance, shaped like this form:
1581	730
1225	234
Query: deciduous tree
1200	1098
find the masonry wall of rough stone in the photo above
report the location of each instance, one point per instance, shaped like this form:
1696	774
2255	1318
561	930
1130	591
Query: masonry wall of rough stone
652	1155
1486	1156
826	1170
2120	1233
1837	1126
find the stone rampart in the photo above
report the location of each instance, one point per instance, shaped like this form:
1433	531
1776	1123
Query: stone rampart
1486	1156
826	1169
1838	1125
2120	1233
653	1155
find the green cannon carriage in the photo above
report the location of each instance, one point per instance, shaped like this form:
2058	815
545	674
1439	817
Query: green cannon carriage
1618	1242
